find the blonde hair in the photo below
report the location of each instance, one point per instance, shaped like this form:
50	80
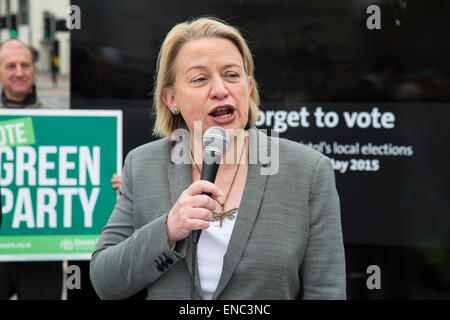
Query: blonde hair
166	121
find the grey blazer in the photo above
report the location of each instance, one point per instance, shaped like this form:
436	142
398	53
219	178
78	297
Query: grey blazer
286	243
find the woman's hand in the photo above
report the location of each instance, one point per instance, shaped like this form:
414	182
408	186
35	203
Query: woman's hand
192	211
116	182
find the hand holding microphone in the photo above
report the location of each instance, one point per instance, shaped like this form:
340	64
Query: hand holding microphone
193	209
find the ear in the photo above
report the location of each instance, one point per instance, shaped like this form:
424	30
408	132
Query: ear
168	96
34	70
250	85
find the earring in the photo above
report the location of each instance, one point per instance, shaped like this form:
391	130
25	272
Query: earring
175	110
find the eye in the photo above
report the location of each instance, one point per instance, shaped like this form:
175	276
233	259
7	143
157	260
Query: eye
232	75
199	79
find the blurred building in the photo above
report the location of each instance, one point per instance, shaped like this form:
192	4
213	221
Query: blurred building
29	27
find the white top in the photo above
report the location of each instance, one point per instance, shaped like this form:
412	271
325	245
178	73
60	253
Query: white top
212	247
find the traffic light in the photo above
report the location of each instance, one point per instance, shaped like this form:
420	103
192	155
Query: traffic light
13	32
3	22
49	26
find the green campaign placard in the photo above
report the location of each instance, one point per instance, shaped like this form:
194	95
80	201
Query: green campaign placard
55	172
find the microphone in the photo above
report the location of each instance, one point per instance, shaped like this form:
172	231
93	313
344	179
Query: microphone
215	142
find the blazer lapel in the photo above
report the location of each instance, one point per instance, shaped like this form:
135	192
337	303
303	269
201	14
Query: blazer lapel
248	211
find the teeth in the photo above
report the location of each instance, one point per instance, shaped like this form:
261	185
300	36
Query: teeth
230	112
223	116
222	108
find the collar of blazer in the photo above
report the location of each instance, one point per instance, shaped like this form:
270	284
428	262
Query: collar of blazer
180	177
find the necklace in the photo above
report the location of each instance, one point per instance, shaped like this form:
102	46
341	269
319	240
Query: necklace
230	214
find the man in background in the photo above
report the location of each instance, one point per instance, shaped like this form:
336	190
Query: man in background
17	74
41	280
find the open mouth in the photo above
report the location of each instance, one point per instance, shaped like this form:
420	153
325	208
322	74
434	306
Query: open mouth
222	112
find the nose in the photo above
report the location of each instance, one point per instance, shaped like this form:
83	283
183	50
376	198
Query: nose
18	72
219	90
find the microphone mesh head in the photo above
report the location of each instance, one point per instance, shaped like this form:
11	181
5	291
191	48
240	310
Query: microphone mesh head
216	139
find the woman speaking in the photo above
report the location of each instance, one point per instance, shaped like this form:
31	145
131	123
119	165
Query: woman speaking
270	229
